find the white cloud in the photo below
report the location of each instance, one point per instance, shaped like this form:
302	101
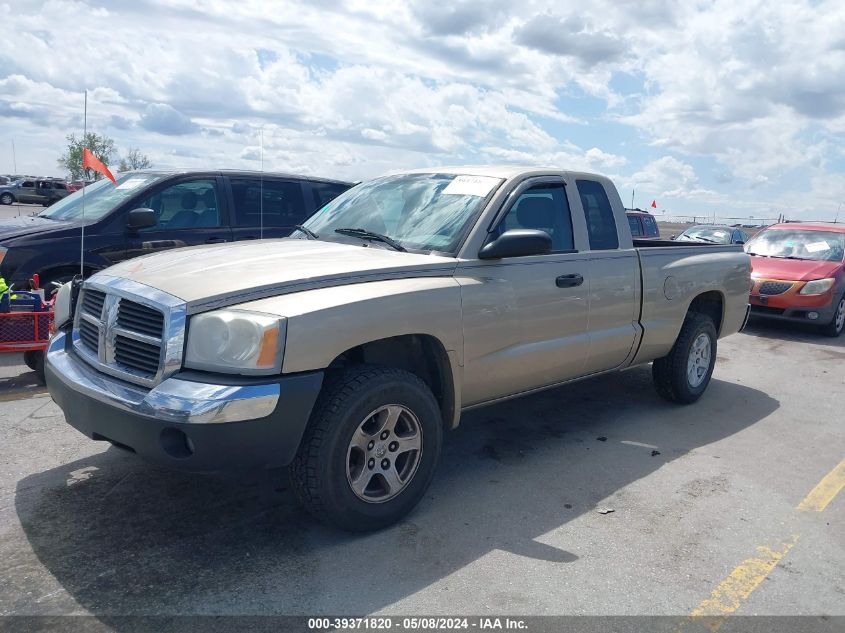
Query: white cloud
353	88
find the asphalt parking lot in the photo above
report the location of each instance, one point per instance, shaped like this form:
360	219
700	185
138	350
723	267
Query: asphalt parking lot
707	510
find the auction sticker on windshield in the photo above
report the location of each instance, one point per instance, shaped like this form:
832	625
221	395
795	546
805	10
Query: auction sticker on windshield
815	247
471	185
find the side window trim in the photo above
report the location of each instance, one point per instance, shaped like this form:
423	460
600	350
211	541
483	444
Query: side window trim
523	187
159	187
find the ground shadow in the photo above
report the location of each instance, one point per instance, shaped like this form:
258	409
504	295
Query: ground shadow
123	537
791	332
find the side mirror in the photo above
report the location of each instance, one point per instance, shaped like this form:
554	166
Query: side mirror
739	242
672	237
517	243
141	219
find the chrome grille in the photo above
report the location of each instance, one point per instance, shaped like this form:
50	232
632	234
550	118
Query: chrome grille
774	287
140	318
129	330
89	334
138	355
93	301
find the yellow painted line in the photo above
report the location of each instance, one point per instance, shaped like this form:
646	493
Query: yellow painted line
729	594
825	490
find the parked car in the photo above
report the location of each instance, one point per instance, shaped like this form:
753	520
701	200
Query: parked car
643	225
43	191
152	211
76	185
798	272
347	350
713	234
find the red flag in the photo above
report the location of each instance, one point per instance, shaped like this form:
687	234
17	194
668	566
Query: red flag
654	204
89	161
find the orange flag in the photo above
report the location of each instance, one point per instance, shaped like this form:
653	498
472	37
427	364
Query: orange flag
89	161
654	204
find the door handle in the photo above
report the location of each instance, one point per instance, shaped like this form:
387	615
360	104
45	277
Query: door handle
569	281
215	240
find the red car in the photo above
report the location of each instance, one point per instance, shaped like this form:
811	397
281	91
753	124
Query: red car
798	274
643	225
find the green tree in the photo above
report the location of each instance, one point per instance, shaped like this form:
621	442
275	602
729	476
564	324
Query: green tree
101	146
134	159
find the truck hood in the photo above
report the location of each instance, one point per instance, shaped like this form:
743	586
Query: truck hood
207	277
29	224
791	269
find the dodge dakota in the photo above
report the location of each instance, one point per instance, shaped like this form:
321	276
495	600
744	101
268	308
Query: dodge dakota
346	351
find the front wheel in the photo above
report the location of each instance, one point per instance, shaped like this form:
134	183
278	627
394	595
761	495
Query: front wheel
7	198
837	323
684	373
370	449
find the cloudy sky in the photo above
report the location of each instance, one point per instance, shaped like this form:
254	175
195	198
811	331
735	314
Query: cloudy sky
735	108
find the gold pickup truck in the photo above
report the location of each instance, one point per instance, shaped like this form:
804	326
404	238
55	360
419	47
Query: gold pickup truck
346	351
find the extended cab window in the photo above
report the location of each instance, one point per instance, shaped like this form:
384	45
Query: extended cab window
280	202
634	223
601	225
543	208
650	226
185	205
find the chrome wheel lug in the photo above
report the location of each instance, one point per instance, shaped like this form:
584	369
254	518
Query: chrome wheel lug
393	446
370	445
385	464
371	463
384	435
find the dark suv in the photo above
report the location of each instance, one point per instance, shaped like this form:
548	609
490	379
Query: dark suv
43	191
168	209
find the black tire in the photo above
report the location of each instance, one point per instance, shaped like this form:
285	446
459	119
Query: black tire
39	368
319	470
6	198
31	359
837	323
670	372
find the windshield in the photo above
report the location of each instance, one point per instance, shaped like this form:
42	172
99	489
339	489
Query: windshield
706	234
100	197
799	244
428	212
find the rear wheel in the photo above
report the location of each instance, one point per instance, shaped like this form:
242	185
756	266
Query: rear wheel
837	323
684	373
370	449
7	198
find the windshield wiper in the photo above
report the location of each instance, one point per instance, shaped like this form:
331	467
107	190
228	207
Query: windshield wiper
705	239
364	234
308	232
788	257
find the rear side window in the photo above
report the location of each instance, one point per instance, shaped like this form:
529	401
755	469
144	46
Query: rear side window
27	183
543	208
325	192
280	202
601	225
650	225
634	223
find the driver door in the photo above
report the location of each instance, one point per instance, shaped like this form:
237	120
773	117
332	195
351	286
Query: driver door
189	214
525	318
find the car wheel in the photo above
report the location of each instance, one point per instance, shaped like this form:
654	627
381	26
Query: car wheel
837	323
35	361
7	198
370	449
684	373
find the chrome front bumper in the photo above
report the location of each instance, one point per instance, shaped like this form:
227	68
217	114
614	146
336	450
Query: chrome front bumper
187	421
173	400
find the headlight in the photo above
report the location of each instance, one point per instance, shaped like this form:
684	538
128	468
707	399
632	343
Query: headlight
236	342
817	287
61	306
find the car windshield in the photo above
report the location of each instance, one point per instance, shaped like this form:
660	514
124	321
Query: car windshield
100	197
706	234
799	244
427	212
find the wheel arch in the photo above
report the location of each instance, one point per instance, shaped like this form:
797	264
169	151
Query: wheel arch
423	355
710	303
